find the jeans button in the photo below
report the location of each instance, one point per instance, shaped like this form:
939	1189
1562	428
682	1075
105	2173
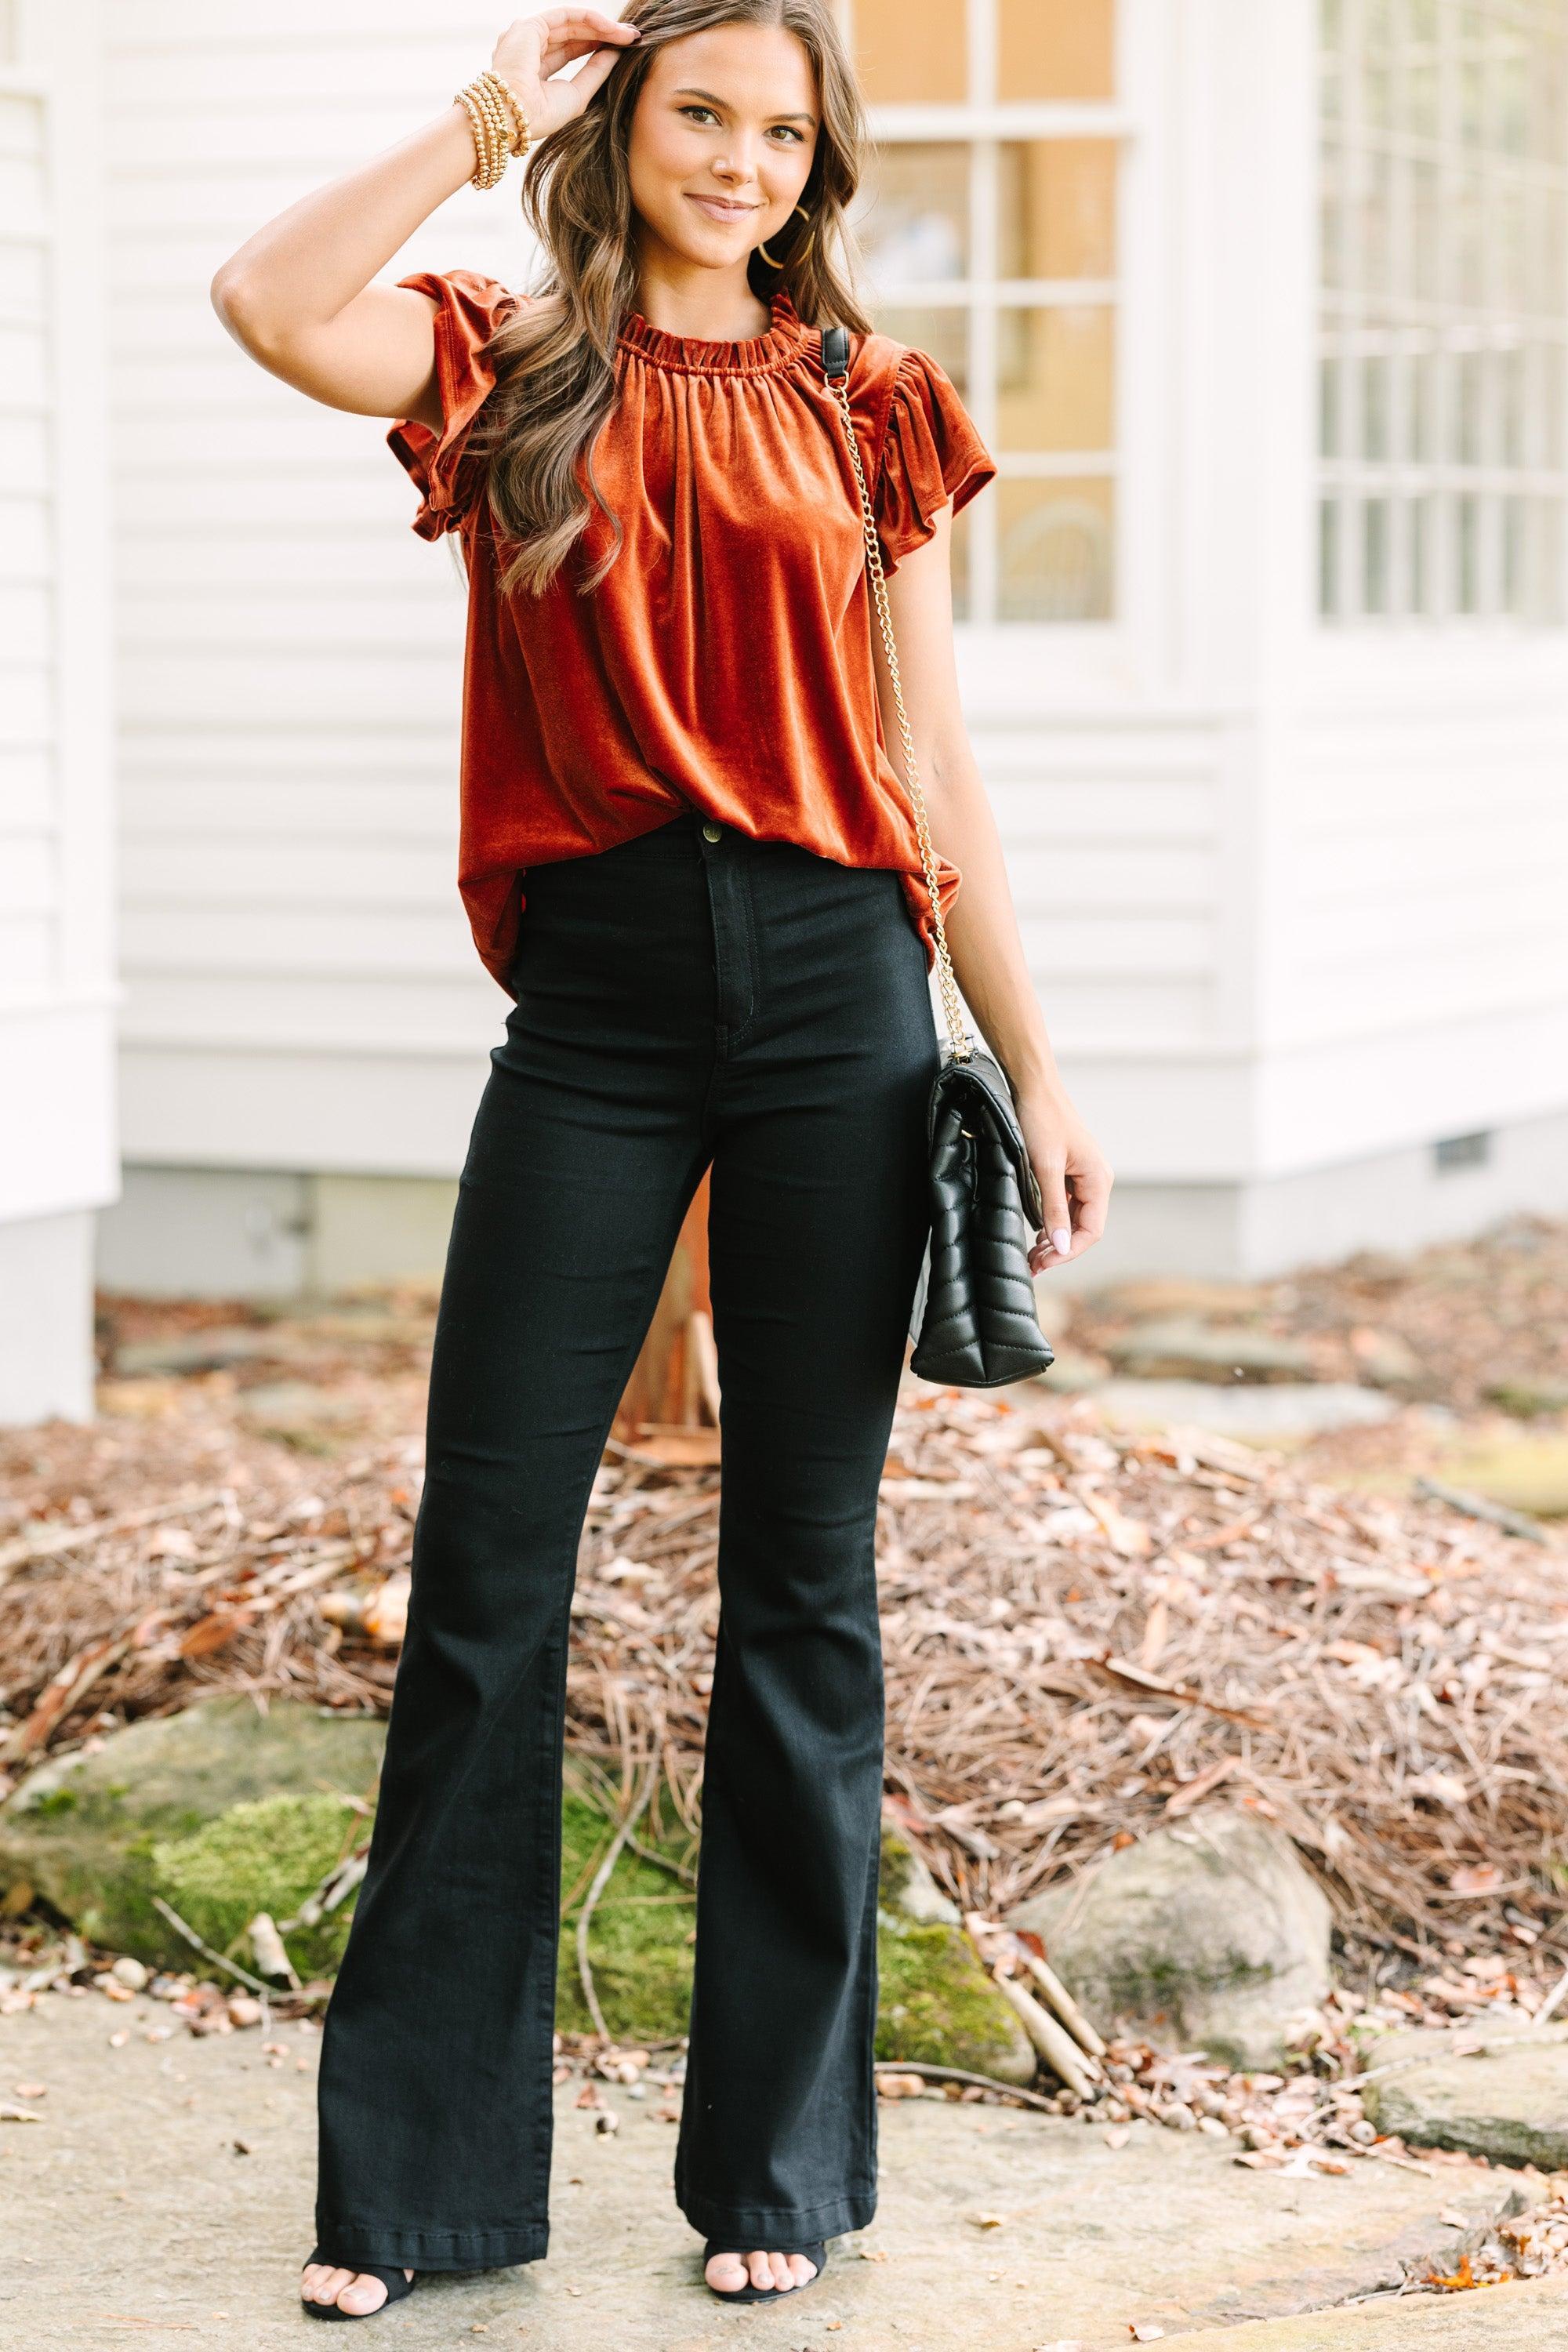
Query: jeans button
712	832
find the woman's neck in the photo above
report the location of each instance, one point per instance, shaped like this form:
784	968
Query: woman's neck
706	304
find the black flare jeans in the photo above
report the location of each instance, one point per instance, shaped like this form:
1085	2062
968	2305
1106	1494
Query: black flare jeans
688	998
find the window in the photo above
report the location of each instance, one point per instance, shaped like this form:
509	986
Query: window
989	225
1443	408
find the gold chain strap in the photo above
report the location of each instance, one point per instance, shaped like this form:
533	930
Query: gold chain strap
951	1003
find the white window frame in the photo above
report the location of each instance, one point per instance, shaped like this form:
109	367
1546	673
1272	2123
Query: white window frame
1360	322
1091	653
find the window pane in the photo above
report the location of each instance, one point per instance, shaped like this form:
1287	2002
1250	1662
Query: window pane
913	217
1058	550
1328	556
1057	208
944	333
1056	49
1055	379
1375	550
911	52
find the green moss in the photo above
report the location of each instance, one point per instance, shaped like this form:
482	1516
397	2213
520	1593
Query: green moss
267	1855
58	1800
639	1937
937	2006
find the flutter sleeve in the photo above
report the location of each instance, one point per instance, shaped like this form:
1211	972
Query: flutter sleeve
468	310
932	454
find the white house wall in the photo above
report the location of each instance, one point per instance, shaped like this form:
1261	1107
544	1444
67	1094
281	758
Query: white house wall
57	1160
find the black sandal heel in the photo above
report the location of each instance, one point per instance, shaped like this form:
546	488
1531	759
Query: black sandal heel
393	2280
815	2252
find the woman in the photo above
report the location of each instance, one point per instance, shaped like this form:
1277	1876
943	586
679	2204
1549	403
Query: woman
687	858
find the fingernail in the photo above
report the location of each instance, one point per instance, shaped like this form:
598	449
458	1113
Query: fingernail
1061	1242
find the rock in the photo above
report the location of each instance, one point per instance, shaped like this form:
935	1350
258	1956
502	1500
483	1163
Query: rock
1529	1399
1181	1295
1212	1935
192	1351
1072	1374
267	1856
1262	1413
1524	1473
907	1887
84	1829
937	2005
1507	2101
1180	1347
289	1405
1387	1361
226	1813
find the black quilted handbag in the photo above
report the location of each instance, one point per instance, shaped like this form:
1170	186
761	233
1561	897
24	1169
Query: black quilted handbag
975	1323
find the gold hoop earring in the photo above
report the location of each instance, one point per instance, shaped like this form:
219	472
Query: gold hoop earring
804	249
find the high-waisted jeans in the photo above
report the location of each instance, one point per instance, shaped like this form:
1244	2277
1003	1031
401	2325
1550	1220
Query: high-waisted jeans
692	998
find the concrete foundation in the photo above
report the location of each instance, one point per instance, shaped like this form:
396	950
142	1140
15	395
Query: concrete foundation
242	1232
233	1232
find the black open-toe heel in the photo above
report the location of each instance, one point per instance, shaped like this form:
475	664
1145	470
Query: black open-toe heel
396	2286
815	2252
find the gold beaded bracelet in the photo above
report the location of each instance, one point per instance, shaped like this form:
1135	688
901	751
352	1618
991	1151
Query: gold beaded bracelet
490	153
520	138
498	125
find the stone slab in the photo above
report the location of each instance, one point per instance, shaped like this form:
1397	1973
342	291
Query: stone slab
1501	2097
1527	2318
1261	1415
166	2197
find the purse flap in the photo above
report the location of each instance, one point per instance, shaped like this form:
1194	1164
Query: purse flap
978	1090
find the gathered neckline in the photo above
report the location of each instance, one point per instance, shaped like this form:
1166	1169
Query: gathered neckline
783	343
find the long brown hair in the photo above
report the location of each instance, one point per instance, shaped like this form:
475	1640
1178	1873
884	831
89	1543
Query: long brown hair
556	364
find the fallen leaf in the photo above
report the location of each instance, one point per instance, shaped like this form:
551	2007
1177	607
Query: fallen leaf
1193	1792
170	1543
989	2220
32	2090
1476	1878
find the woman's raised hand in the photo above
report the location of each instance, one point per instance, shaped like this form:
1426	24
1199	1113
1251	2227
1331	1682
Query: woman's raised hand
534	47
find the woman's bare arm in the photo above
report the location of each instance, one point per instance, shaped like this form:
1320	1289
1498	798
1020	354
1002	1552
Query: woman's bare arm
983	928
299	296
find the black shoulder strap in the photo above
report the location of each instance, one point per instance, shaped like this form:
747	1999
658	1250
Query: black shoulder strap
835	352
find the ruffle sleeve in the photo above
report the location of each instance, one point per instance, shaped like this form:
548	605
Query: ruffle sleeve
468	310
932	454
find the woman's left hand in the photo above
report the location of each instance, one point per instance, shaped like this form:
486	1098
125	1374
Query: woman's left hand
1074	1179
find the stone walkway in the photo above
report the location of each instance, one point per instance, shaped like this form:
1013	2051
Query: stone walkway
167	2193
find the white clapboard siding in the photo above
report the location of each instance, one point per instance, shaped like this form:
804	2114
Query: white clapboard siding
1418	951
290	653
56	928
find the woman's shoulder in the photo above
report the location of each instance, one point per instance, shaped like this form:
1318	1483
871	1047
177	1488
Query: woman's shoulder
480	304
884	370
886	377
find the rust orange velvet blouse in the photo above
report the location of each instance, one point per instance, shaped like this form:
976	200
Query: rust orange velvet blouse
724	663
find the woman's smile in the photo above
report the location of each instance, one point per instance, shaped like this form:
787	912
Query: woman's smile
721	208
